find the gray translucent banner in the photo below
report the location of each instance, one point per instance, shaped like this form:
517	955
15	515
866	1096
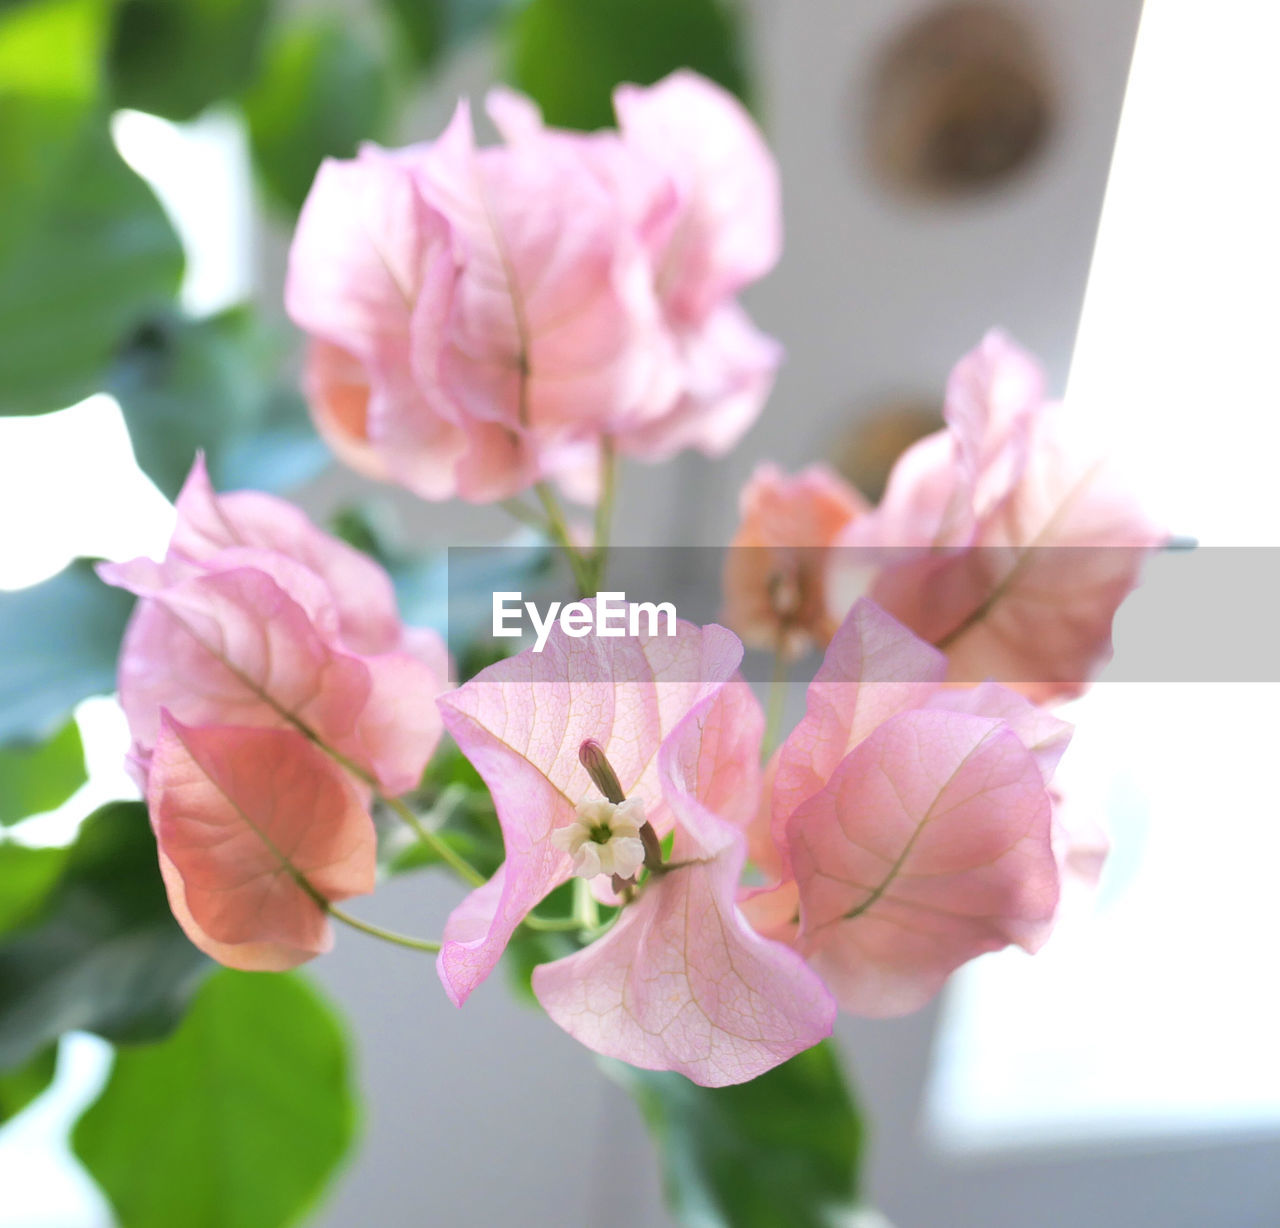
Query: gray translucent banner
1197	615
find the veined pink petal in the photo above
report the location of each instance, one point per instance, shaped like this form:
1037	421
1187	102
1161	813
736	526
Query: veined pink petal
776	568
372	277
921	507
930	844
1033	601
943	487
642	185
728	228
1003	540
1046	736
874	668
521	723
368	246
214	531
727	769
256	828
233	647
727	371
682	982
550	285
400	725
248	956
993	396
337	388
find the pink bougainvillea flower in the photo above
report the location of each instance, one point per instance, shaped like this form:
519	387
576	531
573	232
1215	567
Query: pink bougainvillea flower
680	981
913	821
726	229
1004	539
485	317
372	278
256	618
269	686
258	831
776	568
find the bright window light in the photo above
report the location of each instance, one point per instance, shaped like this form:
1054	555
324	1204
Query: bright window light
1157	1014
200	171
69	480
43	1186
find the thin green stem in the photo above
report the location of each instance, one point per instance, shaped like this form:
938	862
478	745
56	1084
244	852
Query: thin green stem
559	533
777	700
440	847
525	515
604	511
586	912
552	924
376	931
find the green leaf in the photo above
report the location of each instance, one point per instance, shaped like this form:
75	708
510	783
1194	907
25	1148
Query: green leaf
175	57
26	877
18	1088
423	25
569	54
469	19
41	776
49	80
186	385
323	90
430	29
238	1120
61	639
103	954
453	801
101	259
782	1149
528	947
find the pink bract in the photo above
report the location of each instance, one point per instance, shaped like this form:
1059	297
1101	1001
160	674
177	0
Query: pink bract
776	568
1004	539
269	687
257	618
485	317
913	822
256	827
680	982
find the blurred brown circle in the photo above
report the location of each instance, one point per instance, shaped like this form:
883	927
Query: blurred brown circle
961	100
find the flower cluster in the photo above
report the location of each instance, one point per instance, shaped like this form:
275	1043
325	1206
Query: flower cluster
1004	538
270	687
486	319
483	319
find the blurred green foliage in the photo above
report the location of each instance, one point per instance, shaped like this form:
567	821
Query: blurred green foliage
60	642
27	874
569	54
50	58
176	57
238	1118
19	1087
214	385
323	90
39	776
782	1149
101	952
102	259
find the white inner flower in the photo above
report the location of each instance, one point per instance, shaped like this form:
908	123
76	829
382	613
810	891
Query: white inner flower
604	838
